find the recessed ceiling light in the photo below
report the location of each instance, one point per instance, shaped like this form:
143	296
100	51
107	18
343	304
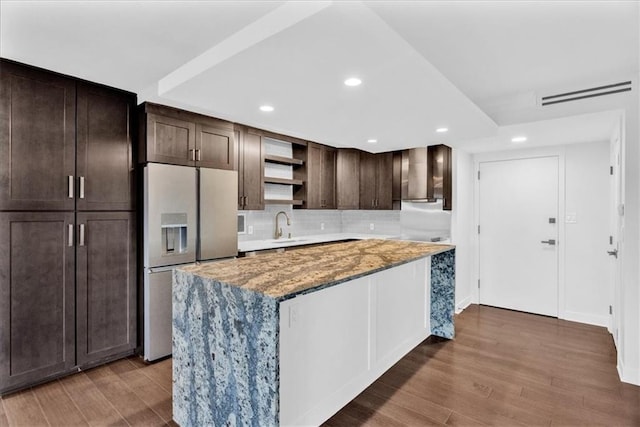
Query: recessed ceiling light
353	81
372	141
442	130
519	139
266	108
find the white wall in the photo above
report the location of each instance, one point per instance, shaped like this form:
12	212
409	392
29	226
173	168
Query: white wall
587	273
462	225
584	282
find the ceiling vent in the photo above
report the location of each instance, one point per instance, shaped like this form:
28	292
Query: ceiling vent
586	93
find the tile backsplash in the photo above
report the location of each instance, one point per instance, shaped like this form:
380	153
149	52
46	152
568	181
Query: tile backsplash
410	221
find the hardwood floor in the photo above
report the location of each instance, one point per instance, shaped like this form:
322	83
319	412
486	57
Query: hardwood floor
504	368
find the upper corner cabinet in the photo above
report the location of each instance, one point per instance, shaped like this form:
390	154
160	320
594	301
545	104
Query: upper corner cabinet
178	137
428	173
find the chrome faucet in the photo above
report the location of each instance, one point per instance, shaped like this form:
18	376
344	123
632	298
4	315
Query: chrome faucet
278	233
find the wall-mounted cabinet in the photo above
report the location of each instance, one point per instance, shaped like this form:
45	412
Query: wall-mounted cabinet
250	167
177	137
321	177
427	172
376	181
348	178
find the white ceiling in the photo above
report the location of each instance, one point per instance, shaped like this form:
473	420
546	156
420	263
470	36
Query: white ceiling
423	64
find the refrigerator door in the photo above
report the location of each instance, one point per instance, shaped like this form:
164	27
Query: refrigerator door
157	313
170	214
218	214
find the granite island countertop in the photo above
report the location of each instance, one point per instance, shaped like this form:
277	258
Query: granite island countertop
284	275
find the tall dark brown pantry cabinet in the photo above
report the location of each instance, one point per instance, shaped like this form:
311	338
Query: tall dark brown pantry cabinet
67	225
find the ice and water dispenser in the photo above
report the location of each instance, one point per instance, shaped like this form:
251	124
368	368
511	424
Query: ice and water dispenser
174	233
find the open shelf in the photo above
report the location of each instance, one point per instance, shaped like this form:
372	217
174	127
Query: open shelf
283	202
283	160
287	181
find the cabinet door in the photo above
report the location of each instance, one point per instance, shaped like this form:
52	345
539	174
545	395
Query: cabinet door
313	184
328	178
37	139
106	178
215	147
170	140
253	172
368	178
384	183
238	164
348	179
37	295
106	285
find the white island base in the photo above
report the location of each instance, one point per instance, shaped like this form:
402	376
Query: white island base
335	342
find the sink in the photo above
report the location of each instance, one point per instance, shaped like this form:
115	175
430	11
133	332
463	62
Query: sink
289	240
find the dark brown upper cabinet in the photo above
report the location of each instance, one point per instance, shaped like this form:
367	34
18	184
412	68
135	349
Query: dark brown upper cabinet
214	147
376	181
321	177
178	137
250	166
428	173
348	178
37	139
105	166
64	144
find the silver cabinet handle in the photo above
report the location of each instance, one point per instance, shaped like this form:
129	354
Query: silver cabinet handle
70	185
549	242
613	253
198	155
193	154
245	201
82	187
70	236
81	238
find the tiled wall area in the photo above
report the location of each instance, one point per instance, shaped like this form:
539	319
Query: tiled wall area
413	221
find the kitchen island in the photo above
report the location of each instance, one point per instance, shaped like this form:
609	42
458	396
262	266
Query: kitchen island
289	338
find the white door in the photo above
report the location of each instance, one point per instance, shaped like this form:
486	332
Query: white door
616	223
518	241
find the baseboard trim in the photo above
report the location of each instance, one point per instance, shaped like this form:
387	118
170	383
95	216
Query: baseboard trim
462	305
590	319
627	375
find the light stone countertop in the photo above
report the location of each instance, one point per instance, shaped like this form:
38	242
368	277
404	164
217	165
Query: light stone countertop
305	269
283	242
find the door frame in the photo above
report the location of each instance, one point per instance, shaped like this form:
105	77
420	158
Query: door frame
522	154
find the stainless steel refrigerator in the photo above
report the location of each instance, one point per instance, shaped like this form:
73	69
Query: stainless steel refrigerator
190	215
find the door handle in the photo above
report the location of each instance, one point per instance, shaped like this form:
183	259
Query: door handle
198	155
193	155
70	235
82	187
81	237
613	253
551	242
70	185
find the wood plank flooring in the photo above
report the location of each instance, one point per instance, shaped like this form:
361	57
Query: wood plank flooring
504	368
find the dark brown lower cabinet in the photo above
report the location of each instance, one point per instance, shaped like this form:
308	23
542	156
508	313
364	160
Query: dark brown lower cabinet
106	285
37	295
67	293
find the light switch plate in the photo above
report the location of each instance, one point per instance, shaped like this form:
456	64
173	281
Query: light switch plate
571	218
